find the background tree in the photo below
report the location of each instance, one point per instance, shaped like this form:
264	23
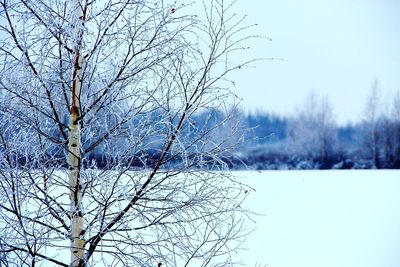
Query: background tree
391	134
371	122
396	119
121	80
312	132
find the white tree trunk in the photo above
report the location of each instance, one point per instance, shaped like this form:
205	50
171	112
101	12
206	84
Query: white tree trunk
74	146
77	242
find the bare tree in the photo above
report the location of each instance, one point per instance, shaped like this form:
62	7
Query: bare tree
312	132
120	80
391	133
396	122
372	116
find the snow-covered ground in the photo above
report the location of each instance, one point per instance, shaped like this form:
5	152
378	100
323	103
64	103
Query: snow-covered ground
324	219
321	219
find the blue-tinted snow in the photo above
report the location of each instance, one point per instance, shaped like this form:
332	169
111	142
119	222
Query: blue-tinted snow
324	219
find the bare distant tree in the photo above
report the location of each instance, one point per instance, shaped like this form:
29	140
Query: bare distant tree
115	83
372	115
312	132
396	122
391	133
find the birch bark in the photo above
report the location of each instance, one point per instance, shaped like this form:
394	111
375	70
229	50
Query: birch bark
74	143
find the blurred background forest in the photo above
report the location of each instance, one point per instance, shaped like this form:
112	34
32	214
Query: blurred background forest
310	138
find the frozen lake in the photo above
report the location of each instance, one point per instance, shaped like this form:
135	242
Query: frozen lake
324	219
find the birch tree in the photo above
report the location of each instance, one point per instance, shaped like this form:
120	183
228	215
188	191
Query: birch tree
120	79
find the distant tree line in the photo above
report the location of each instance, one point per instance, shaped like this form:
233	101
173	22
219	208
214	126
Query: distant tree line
309	139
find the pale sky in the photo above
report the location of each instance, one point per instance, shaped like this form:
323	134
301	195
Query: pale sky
336	48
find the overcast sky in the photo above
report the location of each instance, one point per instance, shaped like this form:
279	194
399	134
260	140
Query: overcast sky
337	48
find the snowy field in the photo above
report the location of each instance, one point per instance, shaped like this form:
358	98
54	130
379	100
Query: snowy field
320	219
324	219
